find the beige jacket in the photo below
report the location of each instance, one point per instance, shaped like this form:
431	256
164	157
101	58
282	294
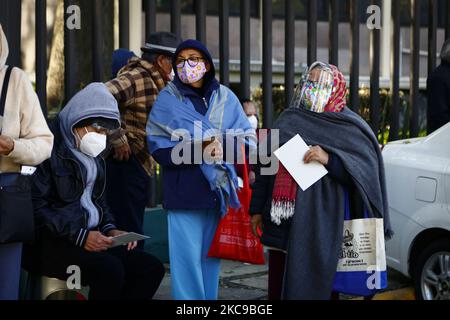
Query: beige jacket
23	119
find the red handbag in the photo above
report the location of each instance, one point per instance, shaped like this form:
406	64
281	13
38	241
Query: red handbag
234	239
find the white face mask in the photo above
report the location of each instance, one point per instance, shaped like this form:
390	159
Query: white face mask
93	144
253	121
172	75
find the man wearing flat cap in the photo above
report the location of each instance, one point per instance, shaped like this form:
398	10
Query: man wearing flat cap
130	164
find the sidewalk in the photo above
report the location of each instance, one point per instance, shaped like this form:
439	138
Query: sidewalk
239	281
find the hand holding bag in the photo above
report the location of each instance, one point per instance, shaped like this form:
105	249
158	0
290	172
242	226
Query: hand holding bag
234	239
16	208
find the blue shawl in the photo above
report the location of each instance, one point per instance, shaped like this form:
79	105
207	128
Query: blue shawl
173	111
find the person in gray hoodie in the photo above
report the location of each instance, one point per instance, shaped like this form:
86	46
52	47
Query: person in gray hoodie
74	225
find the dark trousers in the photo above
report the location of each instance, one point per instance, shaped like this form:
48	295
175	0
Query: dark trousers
277	261
10	256
128	192
111	275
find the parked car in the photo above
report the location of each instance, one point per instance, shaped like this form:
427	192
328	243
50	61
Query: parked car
418	184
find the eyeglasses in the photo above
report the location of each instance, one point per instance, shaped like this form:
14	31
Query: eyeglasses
101	129
192	61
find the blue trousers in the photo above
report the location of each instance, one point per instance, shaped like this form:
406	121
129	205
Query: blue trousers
10	260
194	276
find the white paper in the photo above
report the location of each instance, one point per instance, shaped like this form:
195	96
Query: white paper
28	171
291	155
127	238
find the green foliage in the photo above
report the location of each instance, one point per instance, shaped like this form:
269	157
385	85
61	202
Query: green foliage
279	105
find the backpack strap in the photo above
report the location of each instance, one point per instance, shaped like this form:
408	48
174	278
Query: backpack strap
5	90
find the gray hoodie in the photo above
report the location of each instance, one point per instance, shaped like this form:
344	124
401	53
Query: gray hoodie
93	101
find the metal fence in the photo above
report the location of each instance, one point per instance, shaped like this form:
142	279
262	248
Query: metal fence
10	17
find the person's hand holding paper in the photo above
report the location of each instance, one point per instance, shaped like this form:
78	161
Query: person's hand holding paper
316	153
292	155
129	239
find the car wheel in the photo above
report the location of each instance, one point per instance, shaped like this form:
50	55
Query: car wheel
432	272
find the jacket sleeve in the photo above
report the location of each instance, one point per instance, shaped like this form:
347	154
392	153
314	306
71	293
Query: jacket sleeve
123	89
36	140
164	158
261	193
50	214
108	222
438	104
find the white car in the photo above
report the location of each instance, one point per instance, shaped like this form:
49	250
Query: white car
418	185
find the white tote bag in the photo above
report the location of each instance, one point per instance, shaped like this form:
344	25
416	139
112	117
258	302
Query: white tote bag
361	268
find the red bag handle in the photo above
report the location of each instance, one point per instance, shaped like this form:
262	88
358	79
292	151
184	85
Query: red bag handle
245	179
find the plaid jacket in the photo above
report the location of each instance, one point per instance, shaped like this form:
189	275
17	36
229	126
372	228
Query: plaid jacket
135	89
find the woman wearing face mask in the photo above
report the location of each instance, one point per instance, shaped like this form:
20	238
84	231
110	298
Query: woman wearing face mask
251	112
303	229
73	223
196	194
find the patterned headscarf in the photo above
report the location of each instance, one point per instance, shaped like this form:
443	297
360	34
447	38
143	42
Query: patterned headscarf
337	100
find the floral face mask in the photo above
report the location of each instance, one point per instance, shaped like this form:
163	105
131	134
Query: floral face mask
315	88
188	74
316	96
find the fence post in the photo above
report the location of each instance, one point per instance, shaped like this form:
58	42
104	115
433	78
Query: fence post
289	65
70	63
245	48
312	31
395	72
124	24
354	51
386	39
333	50
415	66
150	17
432	30
175	17
97	41
267	64
224	36
41	53
375	51
200	20
447	19
10	17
